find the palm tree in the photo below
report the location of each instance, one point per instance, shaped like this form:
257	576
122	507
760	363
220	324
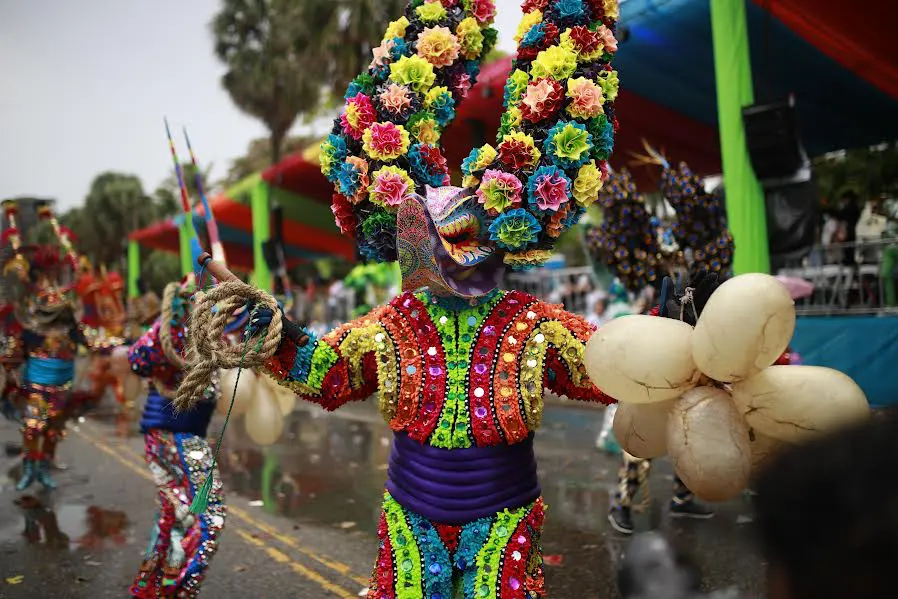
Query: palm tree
266	46
283	55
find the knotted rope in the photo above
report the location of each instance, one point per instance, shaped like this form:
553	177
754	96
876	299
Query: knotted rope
208	349
165	325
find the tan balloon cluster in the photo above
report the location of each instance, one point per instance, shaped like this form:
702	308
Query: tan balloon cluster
263	403
709	396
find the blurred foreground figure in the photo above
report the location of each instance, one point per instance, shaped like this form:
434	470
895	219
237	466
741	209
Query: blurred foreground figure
828	516
182	543
653	569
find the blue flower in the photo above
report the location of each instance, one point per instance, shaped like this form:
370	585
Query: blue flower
514	230
470	161
544	172
472	68
348	179
603	141
399	49
334	152
421	170
568	143
573	217
352	91
534	35
443	107
569	10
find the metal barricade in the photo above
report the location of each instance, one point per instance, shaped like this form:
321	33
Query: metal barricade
569	286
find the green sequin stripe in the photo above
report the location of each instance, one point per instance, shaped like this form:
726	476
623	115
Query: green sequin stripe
406	557
489	558
445	323
323	360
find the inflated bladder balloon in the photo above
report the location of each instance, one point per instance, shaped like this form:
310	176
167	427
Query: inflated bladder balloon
763	450
708	444
641	429
132	387
246	390
795	403
745	326
285	397
642	359
263	420
118	361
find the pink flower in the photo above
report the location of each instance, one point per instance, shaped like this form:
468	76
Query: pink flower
587	98
385	141
607	39
462	84
381	53
358	115
499	191
438	46
551	192
484	11
391	188
395	98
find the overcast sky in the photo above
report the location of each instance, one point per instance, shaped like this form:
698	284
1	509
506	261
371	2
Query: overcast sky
84	86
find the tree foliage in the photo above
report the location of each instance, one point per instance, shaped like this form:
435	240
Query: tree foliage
869	172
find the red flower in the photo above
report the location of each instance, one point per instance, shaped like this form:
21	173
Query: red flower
448	3
585	40
550	35
598	9
345	217
542	99
358	115
515	154
531	5
434	159
528	52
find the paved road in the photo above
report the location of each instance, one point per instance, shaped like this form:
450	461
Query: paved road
314	537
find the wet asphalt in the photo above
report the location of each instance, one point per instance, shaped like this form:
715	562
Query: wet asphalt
303	512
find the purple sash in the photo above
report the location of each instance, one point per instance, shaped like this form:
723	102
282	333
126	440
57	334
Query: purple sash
456	486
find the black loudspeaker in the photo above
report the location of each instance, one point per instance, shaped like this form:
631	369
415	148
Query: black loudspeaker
771	134
791	222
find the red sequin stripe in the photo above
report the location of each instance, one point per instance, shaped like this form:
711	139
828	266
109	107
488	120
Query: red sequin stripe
434	367
484	423
450	535
516	555
384	576
409	367
507	400
282	361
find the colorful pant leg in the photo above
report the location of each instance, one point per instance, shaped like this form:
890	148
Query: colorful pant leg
634	475
182	544
497	557
43	419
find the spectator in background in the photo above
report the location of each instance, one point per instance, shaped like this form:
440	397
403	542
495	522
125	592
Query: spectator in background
888	208
848	214
599	302
827	514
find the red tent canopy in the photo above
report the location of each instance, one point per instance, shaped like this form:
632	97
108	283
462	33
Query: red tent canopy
301	241
301	177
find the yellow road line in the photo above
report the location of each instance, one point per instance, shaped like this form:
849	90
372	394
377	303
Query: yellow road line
336	566
283	558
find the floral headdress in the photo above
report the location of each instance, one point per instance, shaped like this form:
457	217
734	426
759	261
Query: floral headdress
556	133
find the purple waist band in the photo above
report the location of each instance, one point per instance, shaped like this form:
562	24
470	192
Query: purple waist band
455	486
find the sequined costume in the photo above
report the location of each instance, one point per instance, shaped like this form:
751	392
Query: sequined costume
459	366
461	386
179	457
46	353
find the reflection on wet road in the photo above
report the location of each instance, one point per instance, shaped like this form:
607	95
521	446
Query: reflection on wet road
330	468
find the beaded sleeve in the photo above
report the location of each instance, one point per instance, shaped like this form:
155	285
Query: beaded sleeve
337	368
567	334
148	361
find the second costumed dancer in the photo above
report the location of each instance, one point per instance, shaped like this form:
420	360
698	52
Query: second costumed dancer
459	365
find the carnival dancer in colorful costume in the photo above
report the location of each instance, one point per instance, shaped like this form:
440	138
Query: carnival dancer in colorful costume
461	366
179	457
43	337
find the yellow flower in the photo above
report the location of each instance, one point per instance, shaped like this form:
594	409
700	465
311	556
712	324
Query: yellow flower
470	37
586	96
413	71
396	28
515	86
556	62
612	9
568	42
426	131
514	116
527	259
529	20
431	12
485	157
610	84
587	184
434	94
438	46
470	181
